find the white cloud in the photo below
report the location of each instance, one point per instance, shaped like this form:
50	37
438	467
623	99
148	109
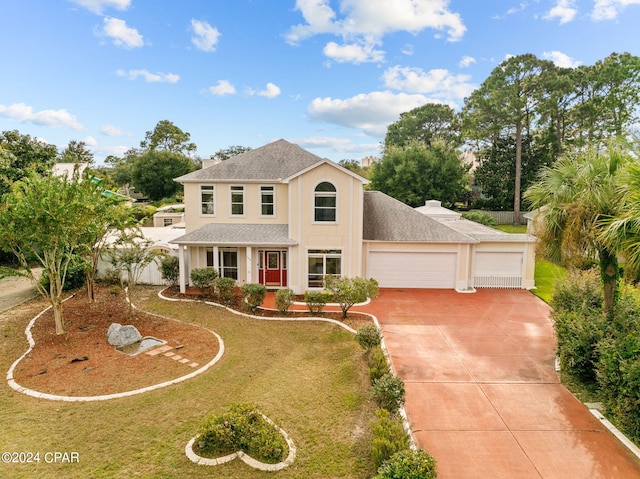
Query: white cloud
98	6
367	21
149	77
561	59
111	130
223	87
466	61
564	11
206	37
610	9
51	118
271	91
340	145
438	83
370	112
121	34
354	52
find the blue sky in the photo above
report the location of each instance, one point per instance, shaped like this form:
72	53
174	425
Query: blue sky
329	75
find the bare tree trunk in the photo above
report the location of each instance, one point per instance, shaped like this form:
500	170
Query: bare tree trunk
91	288
56	305
516	192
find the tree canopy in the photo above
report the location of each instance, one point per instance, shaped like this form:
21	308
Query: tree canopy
230	152
416	173
168	137
423	125
153	172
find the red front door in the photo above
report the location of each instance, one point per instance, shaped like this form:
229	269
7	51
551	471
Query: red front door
274	268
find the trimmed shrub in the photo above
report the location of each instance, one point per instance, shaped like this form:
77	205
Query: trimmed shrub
388	436
253	294
388	392
170	269
368	336
242	428
578	291
480	217
284	300
316	301
225	289
580	325
377	363
409	464
203	278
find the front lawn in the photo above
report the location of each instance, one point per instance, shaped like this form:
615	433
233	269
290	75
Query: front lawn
545	277
309	377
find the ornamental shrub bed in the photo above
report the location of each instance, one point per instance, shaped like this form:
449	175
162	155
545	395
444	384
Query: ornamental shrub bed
242	428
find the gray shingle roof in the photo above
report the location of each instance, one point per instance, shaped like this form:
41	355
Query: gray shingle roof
237	235
271	162
387	219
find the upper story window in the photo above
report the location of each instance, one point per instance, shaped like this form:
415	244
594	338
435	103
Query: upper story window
237	200
207	199
267	200
325	202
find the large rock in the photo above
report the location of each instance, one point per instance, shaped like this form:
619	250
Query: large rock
118	335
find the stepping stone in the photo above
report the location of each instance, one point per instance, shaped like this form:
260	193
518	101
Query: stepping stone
169	354
176	357
161	349
194	365
184	360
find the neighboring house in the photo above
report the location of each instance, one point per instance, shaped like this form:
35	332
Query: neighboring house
68	169
171	215
284	217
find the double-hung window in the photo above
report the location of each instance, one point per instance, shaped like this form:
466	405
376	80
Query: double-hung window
267	200
237	200
321	263
325	202
207	200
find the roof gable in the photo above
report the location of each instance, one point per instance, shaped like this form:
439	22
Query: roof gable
272	162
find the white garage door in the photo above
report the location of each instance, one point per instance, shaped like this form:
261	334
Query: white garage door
412	269
498	270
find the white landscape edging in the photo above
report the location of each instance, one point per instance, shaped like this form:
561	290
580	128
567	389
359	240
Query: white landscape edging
247	459
54	397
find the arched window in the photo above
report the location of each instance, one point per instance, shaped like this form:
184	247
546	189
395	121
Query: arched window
325	202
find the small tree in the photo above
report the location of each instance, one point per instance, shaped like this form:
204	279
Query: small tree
131	253
284	299
203	278
349	291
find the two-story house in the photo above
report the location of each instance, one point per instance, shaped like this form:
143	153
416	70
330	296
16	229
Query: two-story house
284	217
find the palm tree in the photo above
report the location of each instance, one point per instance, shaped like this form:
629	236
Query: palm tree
622	233
574	197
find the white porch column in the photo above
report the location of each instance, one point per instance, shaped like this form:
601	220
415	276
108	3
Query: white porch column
216	260
182	269
249	265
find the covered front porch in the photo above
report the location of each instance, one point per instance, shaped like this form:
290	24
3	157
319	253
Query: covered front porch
247	253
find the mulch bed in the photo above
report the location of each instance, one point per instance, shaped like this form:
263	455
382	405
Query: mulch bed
82	363
353	319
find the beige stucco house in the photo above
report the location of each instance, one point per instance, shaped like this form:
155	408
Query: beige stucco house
284	217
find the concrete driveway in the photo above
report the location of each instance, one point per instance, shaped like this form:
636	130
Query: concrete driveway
15	290
482	393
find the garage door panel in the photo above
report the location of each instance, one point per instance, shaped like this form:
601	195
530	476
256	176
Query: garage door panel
413	269
498	269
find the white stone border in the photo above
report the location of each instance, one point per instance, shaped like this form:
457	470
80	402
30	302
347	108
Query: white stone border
262	318
616	432
263	466
54	397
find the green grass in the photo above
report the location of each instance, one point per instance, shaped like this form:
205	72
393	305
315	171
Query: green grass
545	277
522	229
310	378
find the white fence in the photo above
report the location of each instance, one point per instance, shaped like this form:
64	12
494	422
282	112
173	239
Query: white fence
497	282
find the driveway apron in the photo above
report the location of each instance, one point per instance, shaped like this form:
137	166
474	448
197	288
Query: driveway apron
482	393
